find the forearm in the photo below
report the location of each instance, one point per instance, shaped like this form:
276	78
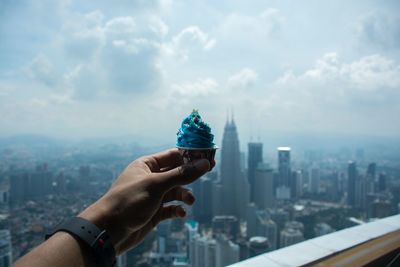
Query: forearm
60	250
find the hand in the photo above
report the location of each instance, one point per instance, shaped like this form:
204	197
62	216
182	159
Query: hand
136	202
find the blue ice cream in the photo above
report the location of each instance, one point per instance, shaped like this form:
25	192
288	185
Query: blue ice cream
194	133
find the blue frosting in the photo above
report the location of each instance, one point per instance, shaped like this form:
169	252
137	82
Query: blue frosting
195	133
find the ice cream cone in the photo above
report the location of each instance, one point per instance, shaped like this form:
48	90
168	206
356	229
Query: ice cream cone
195	140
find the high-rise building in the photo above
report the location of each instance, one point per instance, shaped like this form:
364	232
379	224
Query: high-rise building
259	224
217	198
371	171
270	230
284	172
351	183
40	181
210	252
258	245
290	236
315	177
361	192
300	180
19	185
227	251
121	261
295	225
284	165
203	208
263	187
382	182
296	184
321	229
227	225
5	248
381	208
235	188
255	156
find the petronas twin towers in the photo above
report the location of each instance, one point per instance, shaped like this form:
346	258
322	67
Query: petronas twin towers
235	188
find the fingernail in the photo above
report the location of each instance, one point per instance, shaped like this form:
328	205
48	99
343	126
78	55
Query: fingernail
190	198
181	212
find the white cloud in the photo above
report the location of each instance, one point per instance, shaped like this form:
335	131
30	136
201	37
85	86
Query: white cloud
369	73
201	87
83	35
245	28
120	27
42	70
114	56
189	40
243	79
373	72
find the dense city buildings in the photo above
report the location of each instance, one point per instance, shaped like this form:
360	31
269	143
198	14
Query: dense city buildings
5	248
241	210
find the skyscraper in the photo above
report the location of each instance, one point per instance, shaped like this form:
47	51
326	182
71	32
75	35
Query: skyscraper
235	189
254	158
258	245
5	248
263	187
227	251
351	183
290	236
284	165
203	209
284	171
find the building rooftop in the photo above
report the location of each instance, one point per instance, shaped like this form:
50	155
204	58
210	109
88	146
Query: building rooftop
370	243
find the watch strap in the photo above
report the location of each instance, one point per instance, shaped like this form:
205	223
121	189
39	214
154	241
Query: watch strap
98	240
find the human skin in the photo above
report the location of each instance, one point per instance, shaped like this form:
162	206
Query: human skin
131	208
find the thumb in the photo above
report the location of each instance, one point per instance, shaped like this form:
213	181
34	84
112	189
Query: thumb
183	174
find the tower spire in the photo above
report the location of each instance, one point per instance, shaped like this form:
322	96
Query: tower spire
227	118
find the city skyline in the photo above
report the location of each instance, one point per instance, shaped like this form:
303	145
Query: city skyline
294	199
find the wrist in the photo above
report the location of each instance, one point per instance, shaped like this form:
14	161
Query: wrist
86	232
104	216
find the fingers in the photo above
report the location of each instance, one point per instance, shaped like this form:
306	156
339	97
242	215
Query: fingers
182	175
168	159
171	211
212	164
164	213
181	194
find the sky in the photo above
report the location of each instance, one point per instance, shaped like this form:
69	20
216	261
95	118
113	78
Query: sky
87	69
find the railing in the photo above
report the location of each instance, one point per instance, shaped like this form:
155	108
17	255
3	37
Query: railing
372	244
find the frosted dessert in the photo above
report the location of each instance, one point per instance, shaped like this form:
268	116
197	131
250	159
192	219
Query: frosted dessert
194	138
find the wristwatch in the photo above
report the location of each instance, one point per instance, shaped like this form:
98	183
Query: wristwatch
98	240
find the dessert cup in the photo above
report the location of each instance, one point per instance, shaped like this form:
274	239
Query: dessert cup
190	154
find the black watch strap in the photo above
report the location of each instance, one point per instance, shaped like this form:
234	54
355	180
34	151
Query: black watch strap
98	240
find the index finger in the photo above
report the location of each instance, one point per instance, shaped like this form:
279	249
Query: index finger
168	159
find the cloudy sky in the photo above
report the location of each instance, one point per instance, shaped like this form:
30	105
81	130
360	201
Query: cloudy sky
116	68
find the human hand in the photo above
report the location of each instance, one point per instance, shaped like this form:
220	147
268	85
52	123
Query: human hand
136	202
